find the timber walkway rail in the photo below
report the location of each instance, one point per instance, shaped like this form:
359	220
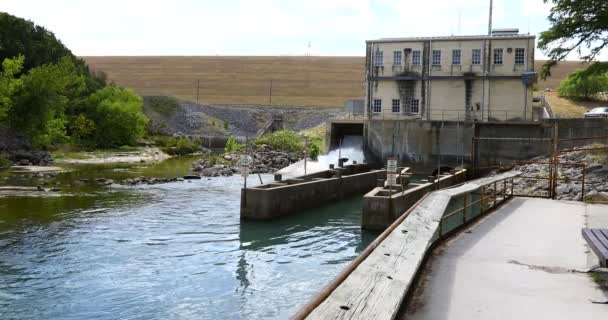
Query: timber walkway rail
375	284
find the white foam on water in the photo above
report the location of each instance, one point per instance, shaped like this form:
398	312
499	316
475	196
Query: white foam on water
351	148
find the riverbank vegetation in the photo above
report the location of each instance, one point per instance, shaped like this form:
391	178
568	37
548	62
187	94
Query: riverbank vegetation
580	85
177	146
52	98
291	141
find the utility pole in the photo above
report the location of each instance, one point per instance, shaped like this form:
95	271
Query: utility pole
198	85
270	93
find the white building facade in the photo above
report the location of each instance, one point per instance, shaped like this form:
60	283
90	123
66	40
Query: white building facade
455	78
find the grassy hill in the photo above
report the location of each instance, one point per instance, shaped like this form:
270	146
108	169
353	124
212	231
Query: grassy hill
307	81
558	73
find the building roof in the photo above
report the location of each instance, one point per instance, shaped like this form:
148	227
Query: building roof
452	38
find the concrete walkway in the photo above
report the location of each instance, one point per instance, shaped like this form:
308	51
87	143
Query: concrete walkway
516	264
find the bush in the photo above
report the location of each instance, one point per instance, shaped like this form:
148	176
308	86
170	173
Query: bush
178	147
283	140
162	104
583	86
4	161
314	151
232	145
118	116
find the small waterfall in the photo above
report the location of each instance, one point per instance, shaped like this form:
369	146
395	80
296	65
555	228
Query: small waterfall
352	148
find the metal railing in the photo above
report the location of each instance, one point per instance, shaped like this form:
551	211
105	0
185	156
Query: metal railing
490	196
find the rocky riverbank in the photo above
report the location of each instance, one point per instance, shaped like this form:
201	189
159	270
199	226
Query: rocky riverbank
264	160
19	151
596	177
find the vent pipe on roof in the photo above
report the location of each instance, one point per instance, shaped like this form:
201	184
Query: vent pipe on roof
505	32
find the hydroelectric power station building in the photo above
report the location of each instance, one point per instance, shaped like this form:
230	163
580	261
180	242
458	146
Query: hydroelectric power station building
453	78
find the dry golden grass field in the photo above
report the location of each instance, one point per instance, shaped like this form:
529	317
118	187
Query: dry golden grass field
306	81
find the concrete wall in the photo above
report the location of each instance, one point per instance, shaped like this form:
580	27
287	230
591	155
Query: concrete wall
276	200
427	143
380	211
421	143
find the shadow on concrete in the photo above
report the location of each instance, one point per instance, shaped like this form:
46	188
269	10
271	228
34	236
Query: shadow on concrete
466	239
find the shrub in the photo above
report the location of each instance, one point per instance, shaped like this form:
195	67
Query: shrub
232	145
4	161
225	125
580	85
162	104
283	140
178	147
314	151
118	116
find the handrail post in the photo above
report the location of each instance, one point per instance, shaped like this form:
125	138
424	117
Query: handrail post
512	182
464	210
495	193
583	183
504	190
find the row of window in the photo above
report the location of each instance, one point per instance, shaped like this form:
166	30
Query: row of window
410	105
497	58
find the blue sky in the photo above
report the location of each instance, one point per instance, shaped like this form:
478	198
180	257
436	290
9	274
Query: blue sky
264	27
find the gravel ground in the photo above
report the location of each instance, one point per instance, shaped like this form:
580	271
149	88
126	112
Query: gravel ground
596	176
242	120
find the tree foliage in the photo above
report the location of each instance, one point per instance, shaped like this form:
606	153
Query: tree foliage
22	37
50	96
576	26
9	84
580	85
39	106
118	116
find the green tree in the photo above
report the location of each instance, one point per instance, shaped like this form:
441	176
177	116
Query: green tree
118	116
9	85
22	37
576	26
580	85
39	106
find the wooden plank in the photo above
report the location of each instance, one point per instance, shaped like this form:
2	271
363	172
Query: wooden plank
601	237
605	232
595	245
377	287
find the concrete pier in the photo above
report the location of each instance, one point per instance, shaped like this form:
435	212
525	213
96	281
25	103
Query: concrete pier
282	198
380	209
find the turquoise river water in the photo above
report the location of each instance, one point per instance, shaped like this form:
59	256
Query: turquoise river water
167	251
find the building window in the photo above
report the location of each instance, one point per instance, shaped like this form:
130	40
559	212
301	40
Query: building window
476	56
396	105
436	58
456	56
379	59
397	58
416	57
414	105
520	55
498	56
377	106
